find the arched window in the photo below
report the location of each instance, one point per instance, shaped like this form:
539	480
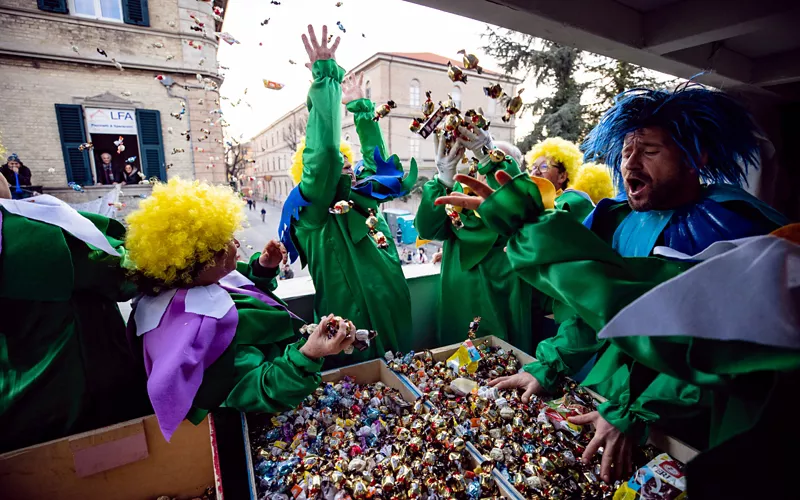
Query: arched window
368	90
456	95
413	93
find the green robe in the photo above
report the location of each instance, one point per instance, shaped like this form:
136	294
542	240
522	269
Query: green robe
65	364
476	277
579	269
574	203
353	277
262	370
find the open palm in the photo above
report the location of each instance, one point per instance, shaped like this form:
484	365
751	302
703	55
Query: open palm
319	50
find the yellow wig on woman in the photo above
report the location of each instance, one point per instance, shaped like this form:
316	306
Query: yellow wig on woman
297	159
181	227
594	179
566	153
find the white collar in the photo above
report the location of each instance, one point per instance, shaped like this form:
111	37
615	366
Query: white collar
51	210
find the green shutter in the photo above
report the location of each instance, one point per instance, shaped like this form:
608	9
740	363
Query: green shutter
151	143
135	12
57	6
73	134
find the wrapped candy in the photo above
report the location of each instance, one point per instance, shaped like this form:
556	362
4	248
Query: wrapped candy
227	38
513	106
415	125
119	143
341	207
476	119
341	26
661	478
269	84
85	146
428	107
470	61
494	91
177	150
495	155
117	64
372	226
455	217
384	110
455	73
102	52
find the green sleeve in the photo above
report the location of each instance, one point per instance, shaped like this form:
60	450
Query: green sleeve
490	168
565	354
97	271
272	386
431	221
368	130
322	161
563	259
265	279
575	204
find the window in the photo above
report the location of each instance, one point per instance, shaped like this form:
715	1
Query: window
456	95
413	148
108	10
413	93
368	91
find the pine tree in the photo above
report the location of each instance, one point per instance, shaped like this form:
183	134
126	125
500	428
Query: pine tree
613	78
560	114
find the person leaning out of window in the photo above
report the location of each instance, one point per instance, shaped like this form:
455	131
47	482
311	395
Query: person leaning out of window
131	174
17	174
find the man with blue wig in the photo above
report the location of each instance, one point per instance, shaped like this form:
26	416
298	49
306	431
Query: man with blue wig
680	157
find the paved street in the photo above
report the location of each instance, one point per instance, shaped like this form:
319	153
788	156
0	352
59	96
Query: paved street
256	234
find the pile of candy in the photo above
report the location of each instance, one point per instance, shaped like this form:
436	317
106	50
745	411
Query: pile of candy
532	444
363	441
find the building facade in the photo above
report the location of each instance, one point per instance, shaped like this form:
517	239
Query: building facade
403	78
85	71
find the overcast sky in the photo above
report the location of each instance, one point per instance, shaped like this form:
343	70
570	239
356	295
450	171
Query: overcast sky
389	26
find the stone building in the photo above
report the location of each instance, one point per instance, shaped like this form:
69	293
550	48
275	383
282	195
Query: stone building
403	78
78	71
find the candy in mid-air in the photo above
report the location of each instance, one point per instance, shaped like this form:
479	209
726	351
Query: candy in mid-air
131	159
341	26
495	91
265	21
75	48
227	38
117	64
455	73
339	4
513	106
477	119
415	126
119	143
470	61
85	146
102	52
177	150
158	45
272	85
292	62
384	110
274	2
428	107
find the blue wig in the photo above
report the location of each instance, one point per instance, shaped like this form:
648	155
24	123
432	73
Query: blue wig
699	120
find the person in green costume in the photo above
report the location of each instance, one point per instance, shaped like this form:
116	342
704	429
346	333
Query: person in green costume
561	162
209	330
598	268
65	366
476	278
355	266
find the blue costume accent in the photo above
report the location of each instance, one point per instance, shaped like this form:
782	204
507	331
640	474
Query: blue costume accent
387	174
690	229
291	210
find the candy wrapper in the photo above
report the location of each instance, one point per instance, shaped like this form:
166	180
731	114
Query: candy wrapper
430	126
415	125
372	227
454	216
269	84
470	61
455	73
661	479
467	356
85	146
384	110
476	119
428	107
227	38
341	207
513	106
558	410
494	91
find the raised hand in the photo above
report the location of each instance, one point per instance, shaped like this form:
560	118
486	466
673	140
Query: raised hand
272	255
352	88
319	50
475	140
446	163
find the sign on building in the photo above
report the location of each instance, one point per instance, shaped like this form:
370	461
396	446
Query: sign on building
111	121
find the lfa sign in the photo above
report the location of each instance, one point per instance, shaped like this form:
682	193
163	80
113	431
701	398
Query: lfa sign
111	121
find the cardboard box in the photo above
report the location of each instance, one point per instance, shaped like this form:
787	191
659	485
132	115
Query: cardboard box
367	373
131	460
676	448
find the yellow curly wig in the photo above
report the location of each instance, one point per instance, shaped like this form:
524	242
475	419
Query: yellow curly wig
297	159
594	179
564	152
182	224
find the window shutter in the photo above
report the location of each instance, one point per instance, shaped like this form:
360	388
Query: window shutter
57	6
151	143
135	12
73	134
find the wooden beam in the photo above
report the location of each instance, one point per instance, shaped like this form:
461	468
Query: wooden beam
692	23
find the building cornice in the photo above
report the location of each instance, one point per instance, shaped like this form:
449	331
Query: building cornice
384	56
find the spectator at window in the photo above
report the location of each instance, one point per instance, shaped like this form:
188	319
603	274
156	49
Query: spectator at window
107	172
131	174
17	175
422	258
